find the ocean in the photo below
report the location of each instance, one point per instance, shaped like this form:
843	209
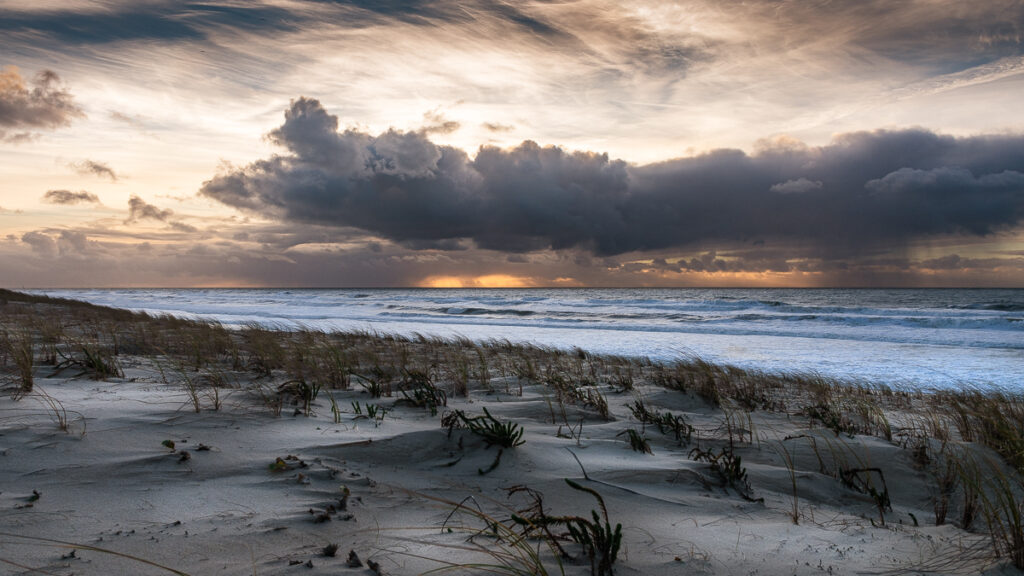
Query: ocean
919	337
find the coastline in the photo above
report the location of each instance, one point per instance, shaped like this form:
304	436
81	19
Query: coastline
913	337
237	451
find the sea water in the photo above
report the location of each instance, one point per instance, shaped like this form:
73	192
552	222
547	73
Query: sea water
920	337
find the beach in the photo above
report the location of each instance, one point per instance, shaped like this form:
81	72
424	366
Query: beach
145	444
921	338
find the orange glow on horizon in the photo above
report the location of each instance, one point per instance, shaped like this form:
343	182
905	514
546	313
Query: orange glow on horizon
486	281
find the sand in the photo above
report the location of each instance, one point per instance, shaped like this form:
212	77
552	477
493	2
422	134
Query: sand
246	491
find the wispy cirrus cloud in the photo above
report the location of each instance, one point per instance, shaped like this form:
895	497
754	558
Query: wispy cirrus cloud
635	78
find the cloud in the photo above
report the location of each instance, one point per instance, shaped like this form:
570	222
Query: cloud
943	35
72	241
798	186
870	190
139	209
18	137
69	197
93	168
45	105
437	123
133	21
498	127
680	74
182	227
289	254
40	243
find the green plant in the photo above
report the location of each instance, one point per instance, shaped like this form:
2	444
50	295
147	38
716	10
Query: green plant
303	391
377	382
595	535
372	412
637	441
728	465
666	422
420	391
507	551
492	430
600	542
335	411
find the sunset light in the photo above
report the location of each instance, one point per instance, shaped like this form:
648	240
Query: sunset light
491	144
525	287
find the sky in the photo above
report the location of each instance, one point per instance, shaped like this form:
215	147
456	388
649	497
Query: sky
334	143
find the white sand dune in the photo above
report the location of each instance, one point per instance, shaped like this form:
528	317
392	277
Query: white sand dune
223	511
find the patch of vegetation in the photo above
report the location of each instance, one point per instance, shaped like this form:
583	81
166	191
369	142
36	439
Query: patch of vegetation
637	441
493	431
419	390
729	467
599	541
666	422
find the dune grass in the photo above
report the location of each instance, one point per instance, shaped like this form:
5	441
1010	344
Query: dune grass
969	443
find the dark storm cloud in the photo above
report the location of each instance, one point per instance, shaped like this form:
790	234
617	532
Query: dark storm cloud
46	104
863	191
69	197
93	168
